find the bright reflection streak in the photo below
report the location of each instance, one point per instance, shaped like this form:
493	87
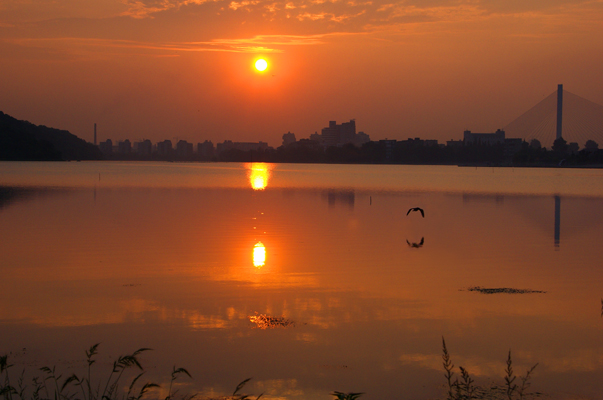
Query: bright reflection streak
258	175
259	255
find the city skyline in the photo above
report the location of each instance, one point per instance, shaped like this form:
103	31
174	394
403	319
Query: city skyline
410	69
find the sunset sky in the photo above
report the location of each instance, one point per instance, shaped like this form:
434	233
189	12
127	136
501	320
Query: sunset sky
183	69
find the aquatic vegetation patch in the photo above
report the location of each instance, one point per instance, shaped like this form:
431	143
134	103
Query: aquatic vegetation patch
501	290
264	321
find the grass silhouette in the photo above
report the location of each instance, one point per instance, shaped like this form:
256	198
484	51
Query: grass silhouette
465	389
53	386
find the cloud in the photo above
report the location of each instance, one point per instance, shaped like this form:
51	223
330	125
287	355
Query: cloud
310	16
145	9
235	5
88	46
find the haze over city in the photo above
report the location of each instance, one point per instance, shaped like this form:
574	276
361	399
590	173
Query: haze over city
184	68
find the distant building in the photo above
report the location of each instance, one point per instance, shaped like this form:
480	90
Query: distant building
361	138
165	148
389	146
288	138
124	147
243	146
416	142
335	135
455	143
340	134
205	150
497	137
106	147
143	148
316	137
184	149
512	146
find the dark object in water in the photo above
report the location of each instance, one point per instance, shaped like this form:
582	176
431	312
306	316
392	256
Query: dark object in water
501	290
417	209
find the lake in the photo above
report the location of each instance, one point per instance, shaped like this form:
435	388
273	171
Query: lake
308	278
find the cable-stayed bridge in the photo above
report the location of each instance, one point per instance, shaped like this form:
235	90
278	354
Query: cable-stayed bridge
564	114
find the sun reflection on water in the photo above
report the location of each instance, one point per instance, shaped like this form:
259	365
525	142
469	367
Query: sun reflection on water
259	173
259	255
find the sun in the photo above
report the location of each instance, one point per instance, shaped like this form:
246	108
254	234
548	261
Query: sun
261	65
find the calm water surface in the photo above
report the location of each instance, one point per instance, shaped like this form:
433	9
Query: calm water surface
190	259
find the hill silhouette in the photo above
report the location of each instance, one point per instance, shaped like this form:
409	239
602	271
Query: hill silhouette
24	141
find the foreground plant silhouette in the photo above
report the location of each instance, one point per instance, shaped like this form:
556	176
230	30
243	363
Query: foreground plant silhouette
464	389
52	386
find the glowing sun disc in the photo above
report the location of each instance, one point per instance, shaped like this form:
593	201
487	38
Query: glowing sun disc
261	64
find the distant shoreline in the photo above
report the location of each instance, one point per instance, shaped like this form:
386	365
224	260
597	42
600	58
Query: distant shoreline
463	165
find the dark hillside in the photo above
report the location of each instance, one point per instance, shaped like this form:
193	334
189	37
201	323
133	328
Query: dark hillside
24	141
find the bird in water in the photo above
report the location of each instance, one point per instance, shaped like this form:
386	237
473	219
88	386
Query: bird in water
416	245
417	209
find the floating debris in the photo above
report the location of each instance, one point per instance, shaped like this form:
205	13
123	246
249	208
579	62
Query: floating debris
264	321
329	366
501	290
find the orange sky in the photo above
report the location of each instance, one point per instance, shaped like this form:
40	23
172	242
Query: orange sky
182	69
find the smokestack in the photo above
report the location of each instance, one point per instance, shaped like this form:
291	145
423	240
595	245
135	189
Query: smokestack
559	109
95	133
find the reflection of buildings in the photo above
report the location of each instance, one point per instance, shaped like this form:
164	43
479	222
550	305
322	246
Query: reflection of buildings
344	198
470	197
557	220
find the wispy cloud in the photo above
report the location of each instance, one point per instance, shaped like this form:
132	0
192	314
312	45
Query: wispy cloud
261	43
328	16
146	9
235	5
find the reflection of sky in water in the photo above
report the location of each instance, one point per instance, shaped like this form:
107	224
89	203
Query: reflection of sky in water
170	269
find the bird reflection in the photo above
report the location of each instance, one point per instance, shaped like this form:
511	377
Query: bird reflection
417	209
258	173
259	255
416	245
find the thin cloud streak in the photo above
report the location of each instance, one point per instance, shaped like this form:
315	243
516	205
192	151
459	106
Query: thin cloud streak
260	43
139	9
